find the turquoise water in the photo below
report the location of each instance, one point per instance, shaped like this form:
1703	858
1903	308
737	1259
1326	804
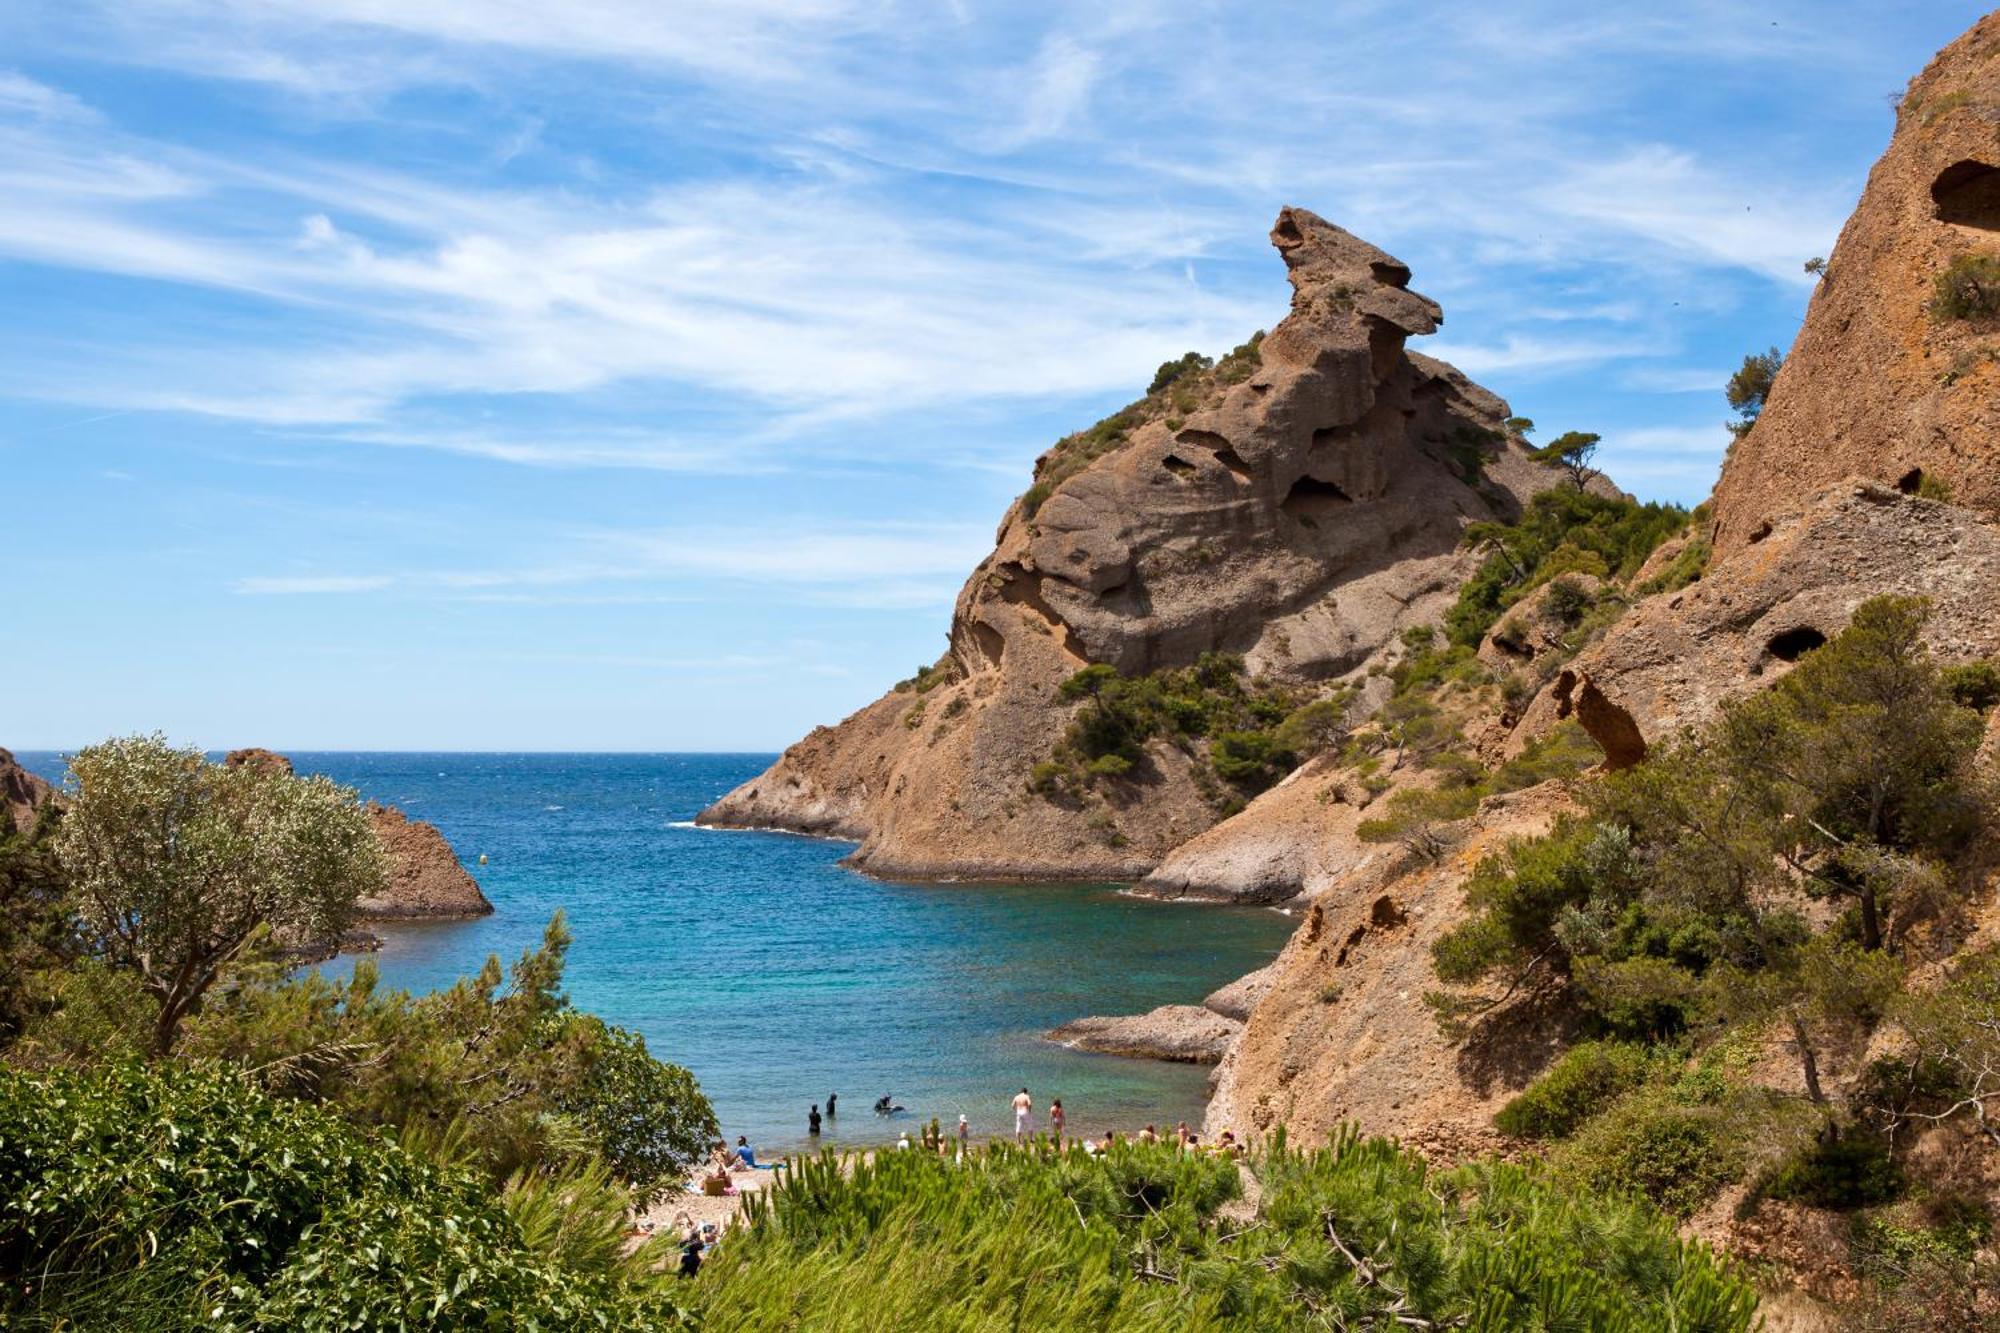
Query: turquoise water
777	976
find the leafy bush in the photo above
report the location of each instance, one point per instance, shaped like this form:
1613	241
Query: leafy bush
1974	685
1850	1172
1562	530
1356	1235
1170	371
1677	1156
1208	705
525	1079
182	1196
1969	288
1586	1079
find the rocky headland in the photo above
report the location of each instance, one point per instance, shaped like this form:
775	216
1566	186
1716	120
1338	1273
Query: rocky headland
1299	504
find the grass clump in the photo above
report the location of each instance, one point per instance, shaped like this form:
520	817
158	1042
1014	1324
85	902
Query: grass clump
1358	1234
1586	1079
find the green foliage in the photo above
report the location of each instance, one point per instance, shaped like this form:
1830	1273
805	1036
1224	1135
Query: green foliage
927	678
1587	1078
1467	448
1208	705
1169	371
1974	685
1655	1144
1315	727
1571	451
1850	1172
1687	566
1953	1070
1562	531
1355	1235
647	1119
1751	384
1969	288
178	866
182	1196
521	1078
36	928
1933	487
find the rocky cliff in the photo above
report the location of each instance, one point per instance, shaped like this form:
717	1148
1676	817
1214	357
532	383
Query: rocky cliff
1885	382
1299	503
426	880
1829	500
21	793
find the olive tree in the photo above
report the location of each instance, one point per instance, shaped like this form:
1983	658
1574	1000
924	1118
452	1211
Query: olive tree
177	865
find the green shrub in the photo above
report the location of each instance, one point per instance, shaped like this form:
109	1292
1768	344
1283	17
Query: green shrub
1677	1156
1208	706
1854	1171
1969	288
1586	1079
1974	685
1562	530
1170	371
177	1196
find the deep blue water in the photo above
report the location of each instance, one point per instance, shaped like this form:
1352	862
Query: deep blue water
776	975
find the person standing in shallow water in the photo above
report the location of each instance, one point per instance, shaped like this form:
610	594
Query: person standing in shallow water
812	1122
1024	1107
831	1098
1056	1120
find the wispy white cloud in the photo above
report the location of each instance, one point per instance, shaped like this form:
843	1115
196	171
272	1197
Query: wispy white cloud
875	565
23	96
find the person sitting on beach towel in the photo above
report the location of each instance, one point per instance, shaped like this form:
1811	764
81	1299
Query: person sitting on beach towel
748	1156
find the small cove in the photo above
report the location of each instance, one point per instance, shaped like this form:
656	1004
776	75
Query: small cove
777	975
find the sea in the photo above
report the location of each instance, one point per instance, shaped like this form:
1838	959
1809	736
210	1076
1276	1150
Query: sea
779	976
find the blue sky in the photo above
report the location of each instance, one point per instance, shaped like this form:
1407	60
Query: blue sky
621	374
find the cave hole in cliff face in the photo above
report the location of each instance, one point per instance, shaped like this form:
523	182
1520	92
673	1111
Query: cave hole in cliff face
1911	482
1792	644
1217	445
1967	194
1287	232
1178	466
1311	500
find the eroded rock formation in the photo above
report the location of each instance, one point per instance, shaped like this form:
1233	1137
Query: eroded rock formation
1301	514
1877	384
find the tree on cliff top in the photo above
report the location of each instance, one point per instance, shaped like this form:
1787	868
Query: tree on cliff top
178	865
1571	451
